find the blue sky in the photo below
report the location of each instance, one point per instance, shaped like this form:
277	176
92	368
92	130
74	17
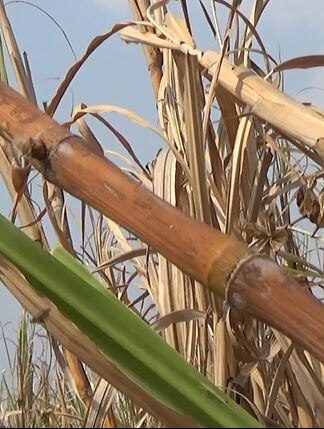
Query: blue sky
116	72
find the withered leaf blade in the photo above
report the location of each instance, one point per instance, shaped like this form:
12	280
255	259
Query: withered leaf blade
304	62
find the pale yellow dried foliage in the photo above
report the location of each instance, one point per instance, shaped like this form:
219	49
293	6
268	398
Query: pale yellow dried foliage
220	174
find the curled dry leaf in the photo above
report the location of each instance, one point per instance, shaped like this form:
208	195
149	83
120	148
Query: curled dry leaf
311	204
304	62
108	108
266	232
89	138
97	41
186	315
19	176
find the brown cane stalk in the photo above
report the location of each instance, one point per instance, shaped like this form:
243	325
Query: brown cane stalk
252	283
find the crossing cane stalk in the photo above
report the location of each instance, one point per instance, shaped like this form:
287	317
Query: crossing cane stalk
252	283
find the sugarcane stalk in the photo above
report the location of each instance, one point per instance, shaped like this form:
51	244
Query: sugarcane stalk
252	283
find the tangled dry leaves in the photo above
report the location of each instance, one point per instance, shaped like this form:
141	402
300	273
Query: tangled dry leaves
230	163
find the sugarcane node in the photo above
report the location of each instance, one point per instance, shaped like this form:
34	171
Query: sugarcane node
38	149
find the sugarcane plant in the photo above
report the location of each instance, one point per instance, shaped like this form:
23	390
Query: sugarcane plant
230	258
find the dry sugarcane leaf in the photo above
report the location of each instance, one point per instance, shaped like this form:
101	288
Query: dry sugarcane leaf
229	115
177	291
304	62
305	382
107	108
241	347
19	177
89	136
99	412
153	56
97	41
25	210
256	200
150	283
121	258
170	112
242	138
93	142
122	140
310	364
194	146
277	381
306	418
255	15
223	354
306	200
319	144
170	295
15	57
52	198
177	316
248	168
257	384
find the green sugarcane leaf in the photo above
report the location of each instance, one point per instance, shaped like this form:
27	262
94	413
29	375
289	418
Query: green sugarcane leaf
125	339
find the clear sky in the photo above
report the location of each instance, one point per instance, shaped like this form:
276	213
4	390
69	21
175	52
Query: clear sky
116	72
